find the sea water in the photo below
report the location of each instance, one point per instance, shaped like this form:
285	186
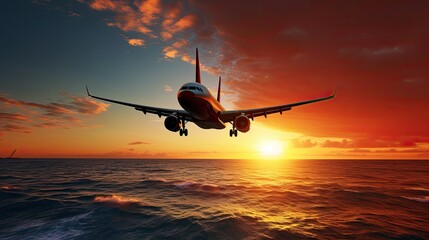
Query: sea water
213	199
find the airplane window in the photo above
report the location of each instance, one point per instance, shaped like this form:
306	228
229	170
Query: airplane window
183	88
192	88
199	89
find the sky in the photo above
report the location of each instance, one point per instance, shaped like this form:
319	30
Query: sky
267	52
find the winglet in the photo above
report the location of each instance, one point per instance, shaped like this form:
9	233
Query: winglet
335	92
197	69
218	90
87	91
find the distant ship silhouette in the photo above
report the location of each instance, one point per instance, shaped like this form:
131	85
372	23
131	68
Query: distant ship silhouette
11	155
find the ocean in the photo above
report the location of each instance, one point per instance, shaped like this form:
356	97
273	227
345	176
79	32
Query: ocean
213	199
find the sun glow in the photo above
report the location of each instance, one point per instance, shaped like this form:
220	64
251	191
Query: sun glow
271	149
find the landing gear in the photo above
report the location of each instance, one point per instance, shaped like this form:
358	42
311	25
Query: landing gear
183	130
233	132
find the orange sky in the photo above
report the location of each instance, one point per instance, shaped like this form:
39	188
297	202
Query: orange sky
267	54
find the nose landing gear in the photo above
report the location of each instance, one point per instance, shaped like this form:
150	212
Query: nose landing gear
183	130
232	132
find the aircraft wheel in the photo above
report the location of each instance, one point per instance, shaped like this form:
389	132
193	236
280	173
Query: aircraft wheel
235	132
185	131
230	132
181	132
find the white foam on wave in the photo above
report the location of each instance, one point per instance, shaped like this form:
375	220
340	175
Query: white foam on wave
117	199
420	189
418	199
185	184
197	186
351	190
28	225
66	228
6	187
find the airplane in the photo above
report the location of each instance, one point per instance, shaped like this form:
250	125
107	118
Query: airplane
205	111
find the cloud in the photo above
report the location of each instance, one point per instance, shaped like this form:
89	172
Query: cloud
307	143
150	10
173	27
76	105
144	17
336	144
170	52
360	143
13	117
14	128
168	88
71	112
300	54
125	153
56	6
398	153
101	5
136	42
48	125
87	106
137	143
138	16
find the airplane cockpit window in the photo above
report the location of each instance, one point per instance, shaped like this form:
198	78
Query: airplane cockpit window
192	88
184	88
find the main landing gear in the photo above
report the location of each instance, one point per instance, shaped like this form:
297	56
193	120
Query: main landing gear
183	130
232	132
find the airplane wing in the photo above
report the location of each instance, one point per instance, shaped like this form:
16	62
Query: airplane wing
148	109
229	116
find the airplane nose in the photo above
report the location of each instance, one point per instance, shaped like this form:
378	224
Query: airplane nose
185	94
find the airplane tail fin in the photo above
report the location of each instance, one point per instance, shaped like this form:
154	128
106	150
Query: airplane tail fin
218	90
197	69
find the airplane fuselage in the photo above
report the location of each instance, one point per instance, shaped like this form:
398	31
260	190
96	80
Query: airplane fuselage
196	99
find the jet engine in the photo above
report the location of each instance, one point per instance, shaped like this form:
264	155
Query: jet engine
242	123
172	123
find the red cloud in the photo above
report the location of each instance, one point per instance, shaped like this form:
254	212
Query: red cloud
77	105
136	42
282	52
137	143
374	143
52	115
14	128
88	106
296	143
13	117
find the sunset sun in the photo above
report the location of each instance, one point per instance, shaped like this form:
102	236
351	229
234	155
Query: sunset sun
271	148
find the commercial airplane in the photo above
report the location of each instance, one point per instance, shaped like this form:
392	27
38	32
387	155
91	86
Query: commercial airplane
201	108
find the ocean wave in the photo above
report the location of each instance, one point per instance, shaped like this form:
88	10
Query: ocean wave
198	186
418	199
154	180
9	187
78	182
159	170
419	189
184	185
65	228
118	200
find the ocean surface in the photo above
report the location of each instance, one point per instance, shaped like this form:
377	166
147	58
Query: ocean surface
213	199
